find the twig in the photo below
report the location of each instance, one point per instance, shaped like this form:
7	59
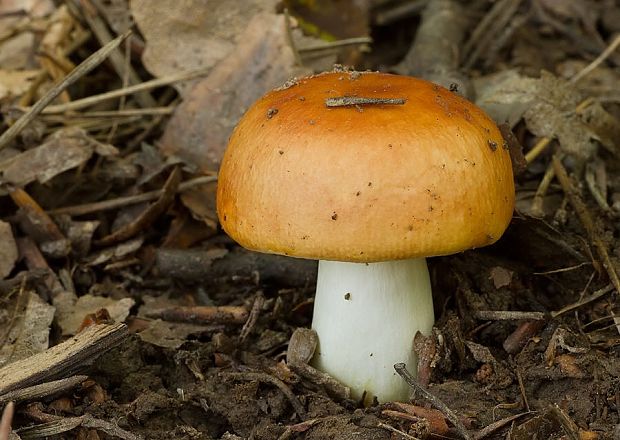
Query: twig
103	35
201	314
396	431
253	316
300	427
540	146
586	220
63	359
149	215
344	101
585	300
526	404
406	9
600	198
536	210
490	429
326	45
5	422
89	208
401	369
594	64
86	66
152	111
42	390
264	377
563	269
65	424
522	334
487	30
154	83
507	315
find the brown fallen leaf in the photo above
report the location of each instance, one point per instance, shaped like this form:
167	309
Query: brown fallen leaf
199	129
549	107
8	250
28	332
500	276
13	83
65	149
194	35
70	321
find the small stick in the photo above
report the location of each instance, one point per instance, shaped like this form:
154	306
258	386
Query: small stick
154	83
594	64
43	390
102	33
149	215
489	429
586	220
344	101
335	44
507	315
401	369
252	318
86	66
151	111
5	422
63	359
536	210
540	146
588	299
522	389
396	431
518	338
89	208
201	314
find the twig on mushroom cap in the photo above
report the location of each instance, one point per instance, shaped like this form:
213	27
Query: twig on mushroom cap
344	101
401	369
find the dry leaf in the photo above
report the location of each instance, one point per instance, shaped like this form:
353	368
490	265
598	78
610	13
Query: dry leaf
65	149
193	34
20	20
199	129
547	104
163	333
13	83
70	320
501	277
29	333
115	252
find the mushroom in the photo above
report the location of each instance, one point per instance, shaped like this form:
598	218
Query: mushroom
368	173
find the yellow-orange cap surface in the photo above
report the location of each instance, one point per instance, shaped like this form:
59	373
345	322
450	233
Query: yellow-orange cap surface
365	183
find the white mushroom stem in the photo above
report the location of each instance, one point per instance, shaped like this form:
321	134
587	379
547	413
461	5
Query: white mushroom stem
366	316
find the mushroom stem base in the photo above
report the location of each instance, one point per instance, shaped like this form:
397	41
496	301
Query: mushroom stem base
366	316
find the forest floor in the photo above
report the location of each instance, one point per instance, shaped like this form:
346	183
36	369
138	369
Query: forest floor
127	313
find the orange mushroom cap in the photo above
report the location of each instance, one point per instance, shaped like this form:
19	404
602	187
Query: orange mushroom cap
421	176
